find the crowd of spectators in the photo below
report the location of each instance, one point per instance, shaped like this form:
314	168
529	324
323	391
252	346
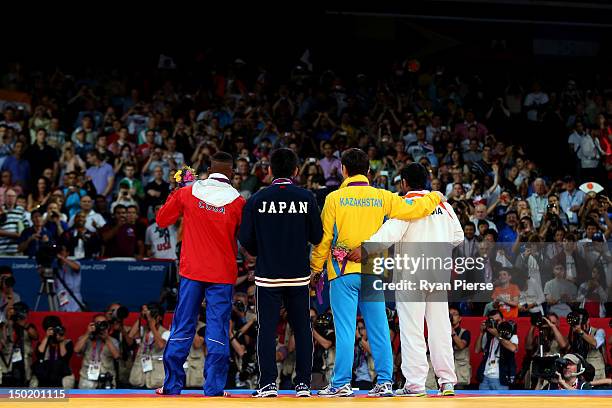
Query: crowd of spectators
87	164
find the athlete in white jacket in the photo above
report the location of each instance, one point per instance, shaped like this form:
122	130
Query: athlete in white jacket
441	226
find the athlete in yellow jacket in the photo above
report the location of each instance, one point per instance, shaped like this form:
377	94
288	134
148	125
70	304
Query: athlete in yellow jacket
350	216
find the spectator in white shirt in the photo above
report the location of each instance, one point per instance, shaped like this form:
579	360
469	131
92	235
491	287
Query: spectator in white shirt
93	220
535	103
538	201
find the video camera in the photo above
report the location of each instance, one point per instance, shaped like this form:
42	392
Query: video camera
546	367
46	255
537	320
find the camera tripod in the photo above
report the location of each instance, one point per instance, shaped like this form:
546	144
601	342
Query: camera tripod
47	286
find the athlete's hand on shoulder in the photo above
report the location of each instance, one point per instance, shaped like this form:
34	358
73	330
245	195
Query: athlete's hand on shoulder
442	196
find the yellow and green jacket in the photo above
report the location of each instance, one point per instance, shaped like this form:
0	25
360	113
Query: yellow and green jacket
354	212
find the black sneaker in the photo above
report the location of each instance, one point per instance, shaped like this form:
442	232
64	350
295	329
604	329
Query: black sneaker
302	390
267	391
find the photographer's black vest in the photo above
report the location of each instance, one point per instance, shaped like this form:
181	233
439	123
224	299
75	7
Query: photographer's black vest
507	363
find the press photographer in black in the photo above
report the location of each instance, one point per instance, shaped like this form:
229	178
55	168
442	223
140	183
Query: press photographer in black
499	343
243	340
16	338
586	341
52	365
99	351
116	315
324	351
8	296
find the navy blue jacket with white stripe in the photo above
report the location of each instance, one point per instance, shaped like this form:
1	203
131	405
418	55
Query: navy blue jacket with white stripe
278	222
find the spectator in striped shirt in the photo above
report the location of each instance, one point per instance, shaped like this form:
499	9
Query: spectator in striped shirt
13	221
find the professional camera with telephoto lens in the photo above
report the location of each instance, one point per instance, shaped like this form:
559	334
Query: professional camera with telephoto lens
7	281
506	329
58	330
573	319
100	327
323	322
240	306
120	314
20	312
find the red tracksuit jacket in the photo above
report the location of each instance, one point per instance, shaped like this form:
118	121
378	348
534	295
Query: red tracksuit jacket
212	210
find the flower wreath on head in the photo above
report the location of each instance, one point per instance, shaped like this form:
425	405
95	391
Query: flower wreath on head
185	176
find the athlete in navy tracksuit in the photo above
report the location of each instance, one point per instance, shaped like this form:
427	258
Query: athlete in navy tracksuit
277	224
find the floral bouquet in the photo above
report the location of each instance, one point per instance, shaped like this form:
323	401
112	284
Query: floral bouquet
340	252
185	176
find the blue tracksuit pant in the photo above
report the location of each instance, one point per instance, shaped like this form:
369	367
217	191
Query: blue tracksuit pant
218	309
344	294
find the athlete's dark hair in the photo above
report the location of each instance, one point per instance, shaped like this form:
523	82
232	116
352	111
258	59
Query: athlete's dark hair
283	162
416	175
356	162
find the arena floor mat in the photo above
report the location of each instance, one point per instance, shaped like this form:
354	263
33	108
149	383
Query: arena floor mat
241	398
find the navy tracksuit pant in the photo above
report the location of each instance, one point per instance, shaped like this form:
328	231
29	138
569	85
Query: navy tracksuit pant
296	300
218	309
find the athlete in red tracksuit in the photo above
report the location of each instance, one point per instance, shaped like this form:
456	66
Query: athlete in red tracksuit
212	211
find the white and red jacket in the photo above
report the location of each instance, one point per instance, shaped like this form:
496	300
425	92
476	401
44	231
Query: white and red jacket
212	210
441	226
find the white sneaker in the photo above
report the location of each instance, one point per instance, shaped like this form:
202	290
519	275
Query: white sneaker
381	390
267	391
404	392
331	392
447	390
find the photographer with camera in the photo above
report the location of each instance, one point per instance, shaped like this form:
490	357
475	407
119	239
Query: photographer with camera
116	315
543	339
53	354
151	337
194	365
8	296
324	348
586	341
99	351
499	344
570	375
243	340
34	237
16	338
461	348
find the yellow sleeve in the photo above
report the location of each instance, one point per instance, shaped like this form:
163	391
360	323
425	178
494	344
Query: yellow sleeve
397	207
320	252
